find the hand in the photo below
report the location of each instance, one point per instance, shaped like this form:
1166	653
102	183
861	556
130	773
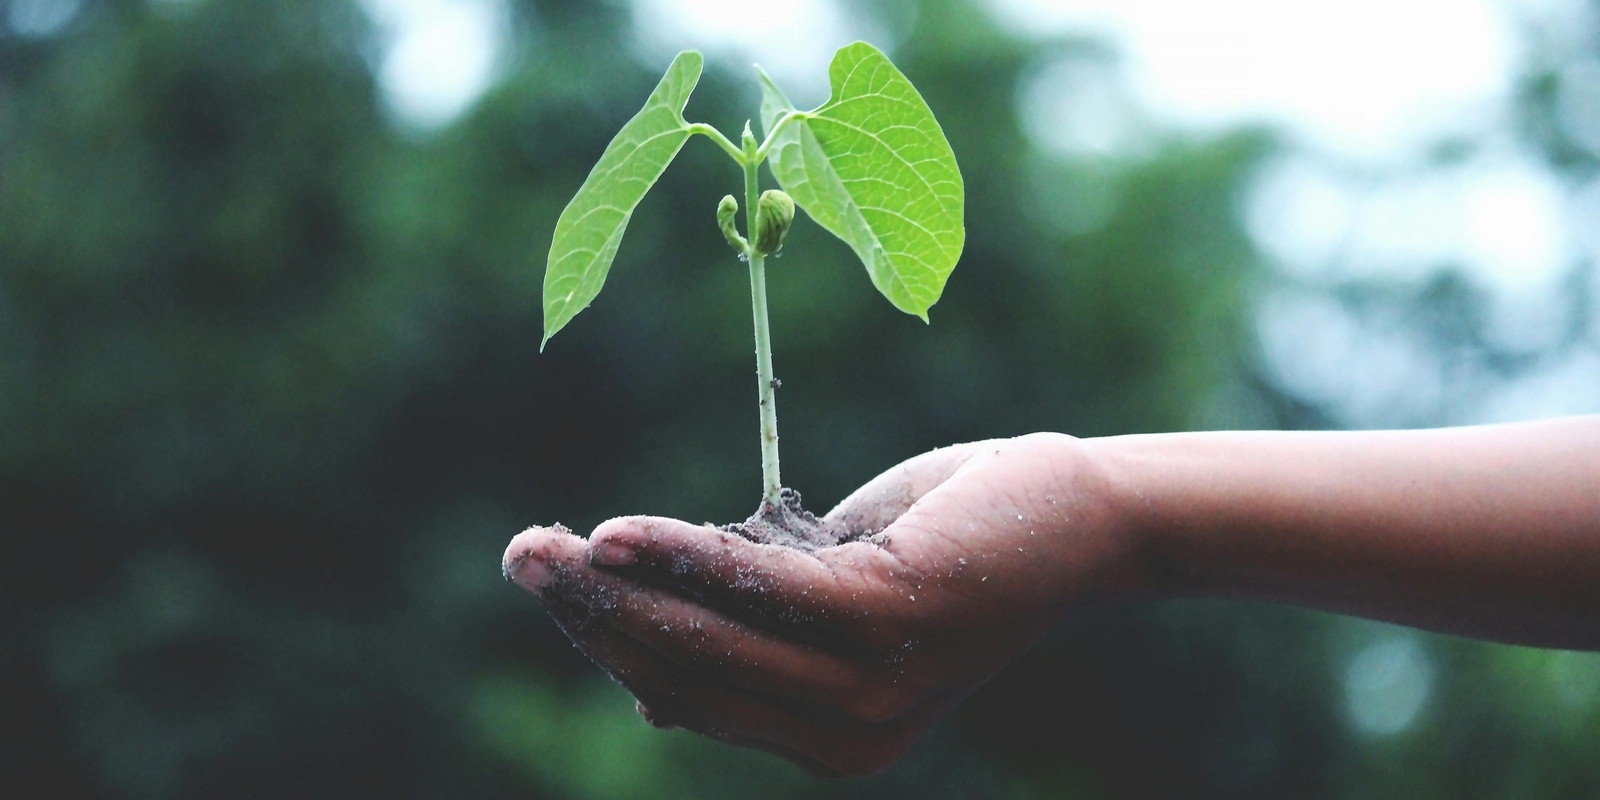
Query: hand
839	659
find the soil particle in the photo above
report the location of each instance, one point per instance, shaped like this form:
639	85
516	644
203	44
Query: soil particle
789	525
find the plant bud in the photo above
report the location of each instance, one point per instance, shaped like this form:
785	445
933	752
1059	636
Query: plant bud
727	210
774	215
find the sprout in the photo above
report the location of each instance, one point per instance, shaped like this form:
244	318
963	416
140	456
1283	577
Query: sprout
871	166
774	215
726	211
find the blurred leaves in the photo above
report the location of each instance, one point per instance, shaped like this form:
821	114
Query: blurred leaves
270	408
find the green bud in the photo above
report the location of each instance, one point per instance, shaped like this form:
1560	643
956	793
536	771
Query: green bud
727	210
774	215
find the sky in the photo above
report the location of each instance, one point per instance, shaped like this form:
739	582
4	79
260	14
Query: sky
1346	75
438	55
1358	100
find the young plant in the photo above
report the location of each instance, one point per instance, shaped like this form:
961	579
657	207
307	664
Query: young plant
871	166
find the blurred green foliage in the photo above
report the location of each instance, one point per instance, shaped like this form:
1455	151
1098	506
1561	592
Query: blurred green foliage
271	406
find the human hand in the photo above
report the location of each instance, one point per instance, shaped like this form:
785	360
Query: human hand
839	659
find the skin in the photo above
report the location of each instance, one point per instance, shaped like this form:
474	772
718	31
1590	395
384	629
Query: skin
839	659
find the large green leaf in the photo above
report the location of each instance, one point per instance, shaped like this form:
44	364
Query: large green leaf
591	226
873	167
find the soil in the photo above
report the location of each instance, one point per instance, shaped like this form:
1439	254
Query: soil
790	525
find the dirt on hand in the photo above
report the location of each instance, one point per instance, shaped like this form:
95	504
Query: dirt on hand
789	525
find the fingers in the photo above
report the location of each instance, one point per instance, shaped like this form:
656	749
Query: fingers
697	640
671	695
713	647
882	500
659	687
696	668
776	587
533	555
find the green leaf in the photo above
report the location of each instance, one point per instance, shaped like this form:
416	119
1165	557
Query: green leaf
873	167
591	226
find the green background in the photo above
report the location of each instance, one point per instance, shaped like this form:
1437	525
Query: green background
271	406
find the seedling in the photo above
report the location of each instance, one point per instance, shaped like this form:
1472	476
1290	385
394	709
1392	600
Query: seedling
871	166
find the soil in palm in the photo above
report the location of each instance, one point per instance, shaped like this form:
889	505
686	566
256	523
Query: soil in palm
788	524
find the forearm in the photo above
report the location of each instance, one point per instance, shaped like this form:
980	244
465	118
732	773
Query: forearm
1491	532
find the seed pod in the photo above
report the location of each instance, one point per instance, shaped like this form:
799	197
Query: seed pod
774	215
726	211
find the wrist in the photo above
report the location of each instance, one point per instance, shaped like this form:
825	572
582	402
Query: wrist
1098	547
1130	481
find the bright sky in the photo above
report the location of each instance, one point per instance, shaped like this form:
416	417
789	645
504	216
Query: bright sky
439	55
1357	76
40	17
1349	76
793	40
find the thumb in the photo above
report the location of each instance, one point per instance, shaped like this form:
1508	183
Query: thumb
884	499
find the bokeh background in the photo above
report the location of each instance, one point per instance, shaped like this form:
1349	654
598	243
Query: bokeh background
271	402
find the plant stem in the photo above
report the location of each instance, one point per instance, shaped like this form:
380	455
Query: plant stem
716	136
777	127
758	302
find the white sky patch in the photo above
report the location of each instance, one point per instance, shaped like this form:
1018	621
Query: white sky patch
1302	212
1501	219
792	40
1511	219
439	56
1583	208
1387	684
1501	215
1079	106
1360	78
1364	89
1579	104
41	18
1373	373
1571	386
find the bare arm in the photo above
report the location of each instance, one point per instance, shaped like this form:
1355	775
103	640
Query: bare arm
1491	532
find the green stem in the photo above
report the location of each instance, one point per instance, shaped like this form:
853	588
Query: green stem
758	302
722	141
772	135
